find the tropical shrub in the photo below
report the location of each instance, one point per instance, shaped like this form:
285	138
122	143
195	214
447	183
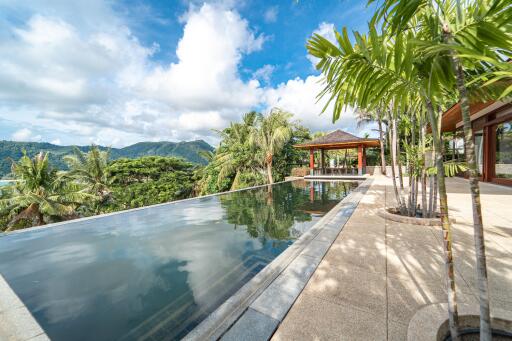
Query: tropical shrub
149	180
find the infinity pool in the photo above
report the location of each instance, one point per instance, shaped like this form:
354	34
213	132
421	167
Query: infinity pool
157	272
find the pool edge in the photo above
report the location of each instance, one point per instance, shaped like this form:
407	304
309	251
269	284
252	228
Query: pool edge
96	216
229	317
16	321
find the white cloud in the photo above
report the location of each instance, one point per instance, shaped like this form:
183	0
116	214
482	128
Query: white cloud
300	98
25	135
206	75
326	30
85	77
270	14
264	73
101	85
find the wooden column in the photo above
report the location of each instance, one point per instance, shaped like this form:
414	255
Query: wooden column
322	158
364	160
311	161
311	192
360	160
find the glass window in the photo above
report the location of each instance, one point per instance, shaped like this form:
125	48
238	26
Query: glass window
479	150
504	150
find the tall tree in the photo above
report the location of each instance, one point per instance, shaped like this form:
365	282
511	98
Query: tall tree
476	37
270	137
90	171
398	79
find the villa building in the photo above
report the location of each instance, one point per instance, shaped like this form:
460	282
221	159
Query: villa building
492	128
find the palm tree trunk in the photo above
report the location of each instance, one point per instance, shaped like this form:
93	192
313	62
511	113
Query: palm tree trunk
445	220
397	148
415	177
381	141
478	228
431	196
435	195
269	172
31	212
423	171
392	139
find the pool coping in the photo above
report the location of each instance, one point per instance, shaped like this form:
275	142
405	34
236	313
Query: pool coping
255	311
16	321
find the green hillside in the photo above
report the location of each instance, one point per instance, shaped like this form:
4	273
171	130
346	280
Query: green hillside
188	150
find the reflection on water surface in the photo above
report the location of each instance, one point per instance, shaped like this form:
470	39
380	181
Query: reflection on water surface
156	273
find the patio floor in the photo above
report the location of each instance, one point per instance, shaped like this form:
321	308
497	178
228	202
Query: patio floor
378	273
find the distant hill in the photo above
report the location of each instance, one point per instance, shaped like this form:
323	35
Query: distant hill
188	150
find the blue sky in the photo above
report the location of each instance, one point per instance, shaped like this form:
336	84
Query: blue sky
119	72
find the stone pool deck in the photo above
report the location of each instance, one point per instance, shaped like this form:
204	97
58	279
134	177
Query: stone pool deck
378	273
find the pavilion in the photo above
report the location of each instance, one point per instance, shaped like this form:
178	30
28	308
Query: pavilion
338	139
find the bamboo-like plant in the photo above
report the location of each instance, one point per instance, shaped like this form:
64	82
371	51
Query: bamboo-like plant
381	69
476	39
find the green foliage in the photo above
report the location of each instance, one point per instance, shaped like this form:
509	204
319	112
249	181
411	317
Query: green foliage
149	180
246	147
89	171
266	213
191	151
270	136
38	196
289	157
451	168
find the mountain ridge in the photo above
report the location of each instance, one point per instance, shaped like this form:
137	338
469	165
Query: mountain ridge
188	150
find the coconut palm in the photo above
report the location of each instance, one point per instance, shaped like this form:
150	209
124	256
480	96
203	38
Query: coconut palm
89	170
38	196
236	153
270	136
233	164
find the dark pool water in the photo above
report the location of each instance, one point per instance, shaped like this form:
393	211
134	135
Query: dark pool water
156	273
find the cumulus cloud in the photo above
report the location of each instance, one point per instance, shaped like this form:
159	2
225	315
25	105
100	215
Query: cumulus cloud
299	97
206	75
25	134
84	76
101	85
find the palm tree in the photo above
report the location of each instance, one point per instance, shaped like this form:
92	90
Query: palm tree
234	160
398	81
38	195
364	118
89	170
476	37
435	47
236	153
270	137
